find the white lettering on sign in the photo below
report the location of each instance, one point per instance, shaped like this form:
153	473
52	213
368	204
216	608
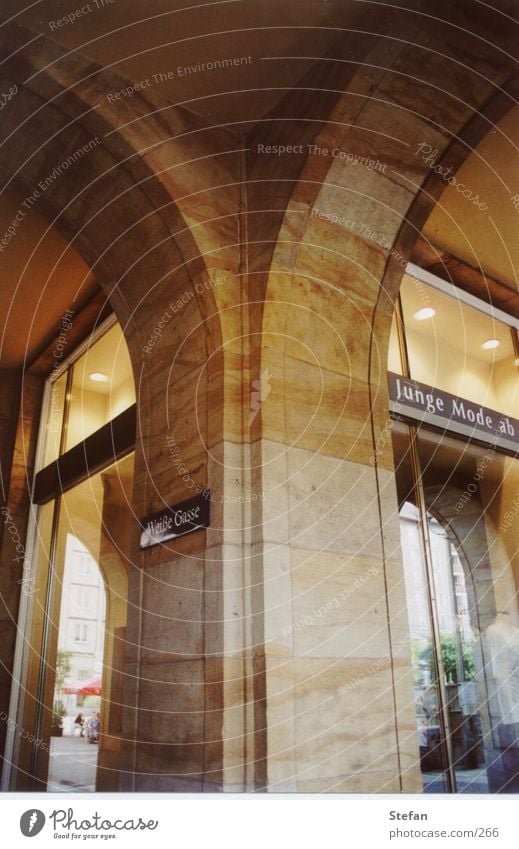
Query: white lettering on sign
183	516
159	526
155	527
430	402
190	515
480	417
453	409
506	426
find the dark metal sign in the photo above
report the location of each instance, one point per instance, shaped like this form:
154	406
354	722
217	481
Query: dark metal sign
176	521
425	404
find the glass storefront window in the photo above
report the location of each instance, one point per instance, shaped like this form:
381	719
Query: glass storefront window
467	489
427	697
456	348
458	523
96	387
76	659
101	388
78	609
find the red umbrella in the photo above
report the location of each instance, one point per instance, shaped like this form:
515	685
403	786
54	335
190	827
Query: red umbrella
92	687
72	688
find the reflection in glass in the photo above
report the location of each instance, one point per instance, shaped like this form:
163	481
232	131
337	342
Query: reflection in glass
92	543
427	698
457	641
469	490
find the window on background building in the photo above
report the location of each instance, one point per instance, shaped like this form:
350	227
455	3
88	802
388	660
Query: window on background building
80	632
83	598
86	567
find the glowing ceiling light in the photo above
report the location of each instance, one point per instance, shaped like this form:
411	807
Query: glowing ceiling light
426	312
98	377
491	343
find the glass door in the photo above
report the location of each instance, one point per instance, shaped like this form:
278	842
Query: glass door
428	701
73	646
459	519
462	609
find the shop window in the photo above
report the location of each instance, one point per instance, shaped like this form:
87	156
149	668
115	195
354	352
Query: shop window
94	387
459	539
456	348
81	549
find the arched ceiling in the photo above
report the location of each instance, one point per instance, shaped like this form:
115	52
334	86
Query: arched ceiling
490	240
41	276
284	41
166	45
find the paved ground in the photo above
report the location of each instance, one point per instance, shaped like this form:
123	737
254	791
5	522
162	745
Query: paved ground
72	766
467	781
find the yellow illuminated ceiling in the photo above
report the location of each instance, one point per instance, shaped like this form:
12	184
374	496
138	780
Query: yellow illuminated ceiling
484	238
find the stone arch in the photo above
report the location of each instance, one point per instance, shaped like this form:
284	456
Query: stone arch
127	207
336	265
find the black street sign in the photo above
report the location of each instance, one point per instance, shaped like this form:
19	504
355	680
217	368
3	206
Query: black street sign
176	521
428	405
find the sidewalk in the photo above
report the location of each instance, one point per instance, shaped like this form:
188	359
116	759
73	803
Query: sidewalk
72	765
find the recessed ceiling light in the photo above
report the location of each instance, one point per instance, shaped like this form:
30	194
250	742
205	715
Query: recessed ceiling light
491	343
427	312
98	377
